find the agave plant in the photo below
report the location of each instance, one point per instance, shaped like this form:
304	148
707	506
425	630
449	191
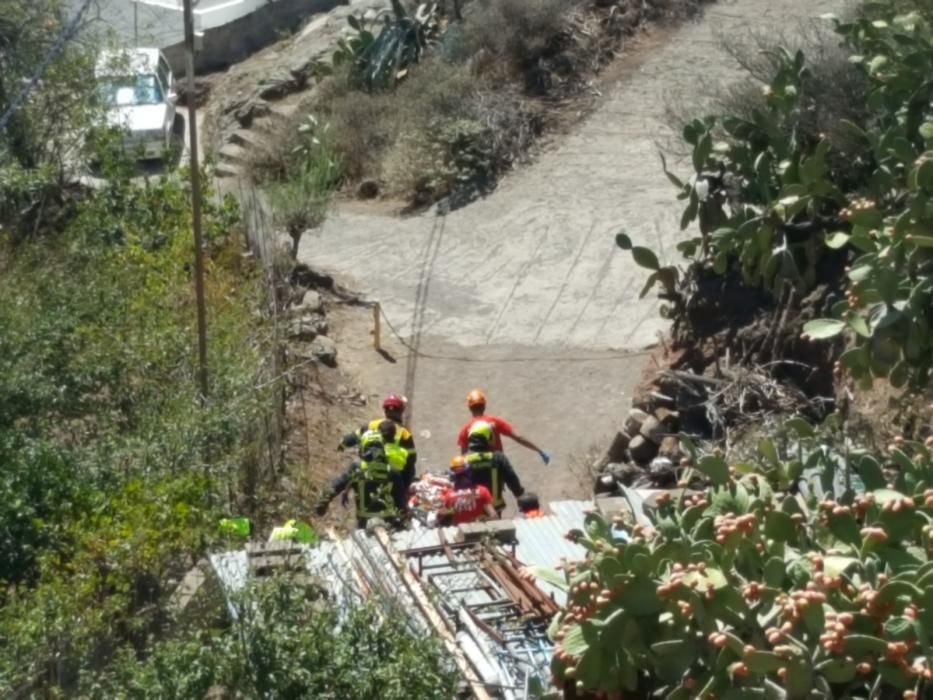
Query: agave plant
379	62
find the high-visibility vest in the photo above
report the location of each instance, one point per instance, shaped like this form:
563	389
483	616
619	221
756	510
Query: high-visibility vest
374	492
395	453
485	473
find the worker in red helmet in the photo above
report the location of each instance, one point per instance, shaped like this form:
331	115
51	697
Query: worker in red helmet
464	501
400	447
476	401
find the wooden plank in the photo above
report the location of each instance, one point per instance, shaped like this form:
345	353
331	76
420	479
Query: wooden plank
278	547
612	505
189	587
470	674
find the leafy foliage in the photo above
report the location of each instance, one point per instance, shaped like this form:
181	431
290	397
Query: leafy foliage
746	591
285	643
380	61
113	476
781	208
313	173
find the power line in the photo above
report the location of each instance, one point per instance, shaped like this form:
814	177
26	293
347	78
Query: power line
67	34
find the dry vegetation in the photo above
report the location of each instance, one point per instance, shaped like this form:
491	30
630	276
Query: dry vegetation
474	105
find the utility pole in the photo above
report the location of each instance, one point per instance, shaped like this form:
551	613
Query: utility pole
196	202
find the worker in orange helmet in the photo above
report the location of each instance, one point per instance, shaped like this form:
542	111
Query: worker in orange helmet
476	401
464	501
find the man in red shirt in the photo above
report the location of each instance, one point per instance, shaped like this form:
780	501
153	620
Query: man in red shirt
476	400
464	502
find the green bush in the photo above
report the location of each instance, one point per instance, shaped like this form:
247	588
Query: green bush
113	475
286	643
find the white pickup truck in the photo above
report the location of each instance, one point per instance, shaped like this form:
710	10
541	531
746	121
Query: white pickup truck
138	89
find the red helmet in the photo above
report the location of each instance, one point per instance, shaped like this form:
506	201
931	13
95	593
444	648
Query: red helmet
393	402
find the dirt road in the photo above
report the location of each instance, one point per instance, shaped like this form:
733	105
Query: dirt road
524	293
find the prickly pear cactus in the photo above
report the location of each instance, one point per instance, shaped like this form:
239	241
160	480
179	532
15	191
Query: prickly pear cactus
742	592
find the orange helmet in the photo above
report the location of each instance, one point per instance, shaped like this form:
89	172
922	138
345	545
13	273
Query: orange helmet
476	398
459	468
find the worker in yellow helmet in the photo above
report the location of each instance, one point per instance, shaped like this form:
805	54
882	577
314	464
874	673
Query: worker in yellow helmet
489	467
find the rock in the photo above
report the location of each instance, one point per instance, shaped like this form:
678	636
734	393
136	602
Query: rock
670	449
368	189
306	327
275	87
604	484
623	473
202	90
642	450
668	417
654	430
297	329
312	279
324	350
662	472
617	449
310	302
249	111
633	423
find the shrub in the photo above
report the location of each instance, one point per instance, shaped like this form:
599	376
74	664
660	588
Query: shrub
300	201
113	474
516	31
284	643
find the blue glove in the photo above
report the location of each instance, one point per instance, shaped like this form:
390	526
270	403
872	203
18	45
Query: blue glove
545	457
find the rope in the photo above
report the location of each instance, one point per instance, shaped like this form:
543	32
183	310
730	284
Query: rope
67	33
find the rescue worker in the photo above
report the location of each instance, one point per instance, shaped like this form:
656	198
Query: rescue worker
476	401
373	480
400	446
490	467
465	501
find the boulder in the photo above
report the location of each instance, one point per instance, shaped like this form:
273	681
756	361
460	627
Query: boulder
642	450
604	484
310	302
669	418
367	189
249	111
634	420
662	472
617	449
306	327
623	473
653	429
324	350
670	448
